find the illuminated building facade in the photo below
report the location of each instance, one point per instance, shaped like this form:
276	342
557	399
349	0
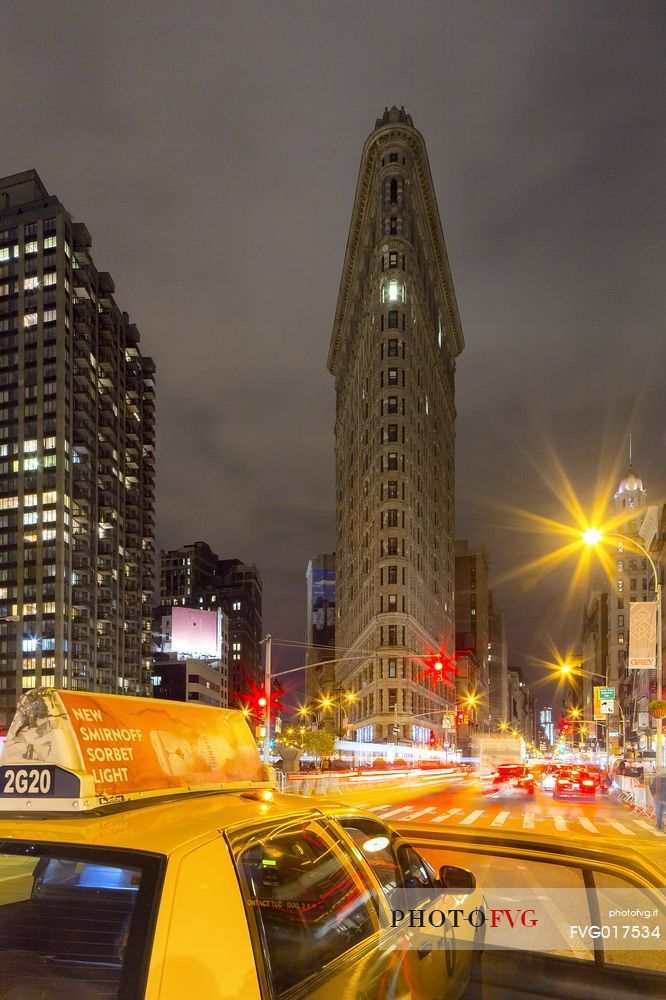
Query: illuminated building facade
395	339
77	453
193	576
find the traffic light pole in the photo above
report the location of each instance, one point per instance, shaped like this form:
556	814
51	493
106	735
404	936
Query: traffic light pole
267	692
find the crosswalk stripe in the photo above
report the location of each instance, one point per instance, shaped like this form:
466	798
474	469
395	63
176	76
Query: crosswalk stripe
422	812
587	824
394	812
473	816
446	815
528	821
500	819
646	826
560	823
621	827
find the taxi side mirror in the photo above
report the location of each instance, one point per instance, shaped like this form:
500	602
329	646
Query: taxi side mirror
457	878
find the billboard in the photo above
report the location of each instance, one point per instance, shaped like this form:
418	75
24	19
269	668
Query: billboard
125	745
195	632
642	635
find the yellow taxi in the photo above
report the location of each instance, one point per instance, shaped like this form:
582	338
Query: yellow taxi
144	854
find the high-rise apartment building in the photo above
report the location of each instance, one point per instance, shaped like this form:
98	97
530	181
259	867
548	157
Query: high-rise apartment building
194	577
77	453
395	339
633	581
498	667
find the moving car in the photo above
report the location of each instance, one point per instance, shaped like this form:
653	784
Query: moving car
574	781
511	779
144	854
549	778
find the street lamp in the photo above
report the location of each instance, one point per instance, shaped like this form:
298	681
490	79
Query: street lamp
569	671
593	537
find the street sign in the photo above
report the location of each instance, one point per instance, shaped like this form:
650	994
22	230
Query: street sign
607	706
396	730
606	692
449	721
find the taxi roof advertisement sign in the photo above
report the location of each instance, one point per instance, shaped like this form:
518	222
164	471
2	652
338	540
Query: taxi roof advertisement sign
131	745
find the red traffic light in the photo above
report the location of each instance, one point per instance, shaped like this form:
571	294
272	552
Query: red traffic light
566	727
262	702
433	739
460	717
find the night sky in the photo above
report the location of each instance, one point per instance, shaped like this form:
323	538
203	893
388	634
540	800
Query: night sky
212	149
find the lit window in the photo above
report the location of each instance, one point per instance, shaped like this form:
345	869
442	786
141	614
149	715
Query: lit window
31	282
49	242
30	500
30	518
49	278
620	638
30	464
29	446
30	319
31	247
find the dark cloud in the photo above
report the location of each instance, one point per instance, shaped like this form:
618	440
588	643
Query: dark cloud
212	150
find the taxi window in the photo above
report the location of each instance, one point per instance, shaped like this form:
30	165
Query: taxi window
305	899
73	922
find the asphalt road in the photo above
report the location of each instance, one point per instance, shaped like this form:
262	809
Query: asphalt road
462	803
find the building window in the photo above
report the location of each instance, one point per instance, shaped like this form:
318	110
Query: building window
392	518
620	586
392	546
393	259
392	635
393	157
620	621
392	461
393	191
393	602
392	574
393	376
391	491
393	226
392	432
392	319
620	638
393	348
392	406
393	668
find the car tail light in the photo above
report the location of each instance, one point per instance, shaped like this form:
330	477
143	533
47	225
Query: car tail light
587	782
561	781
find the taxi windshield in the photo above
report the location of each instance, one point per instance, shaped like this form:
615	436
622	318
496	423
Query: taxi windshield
72	921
